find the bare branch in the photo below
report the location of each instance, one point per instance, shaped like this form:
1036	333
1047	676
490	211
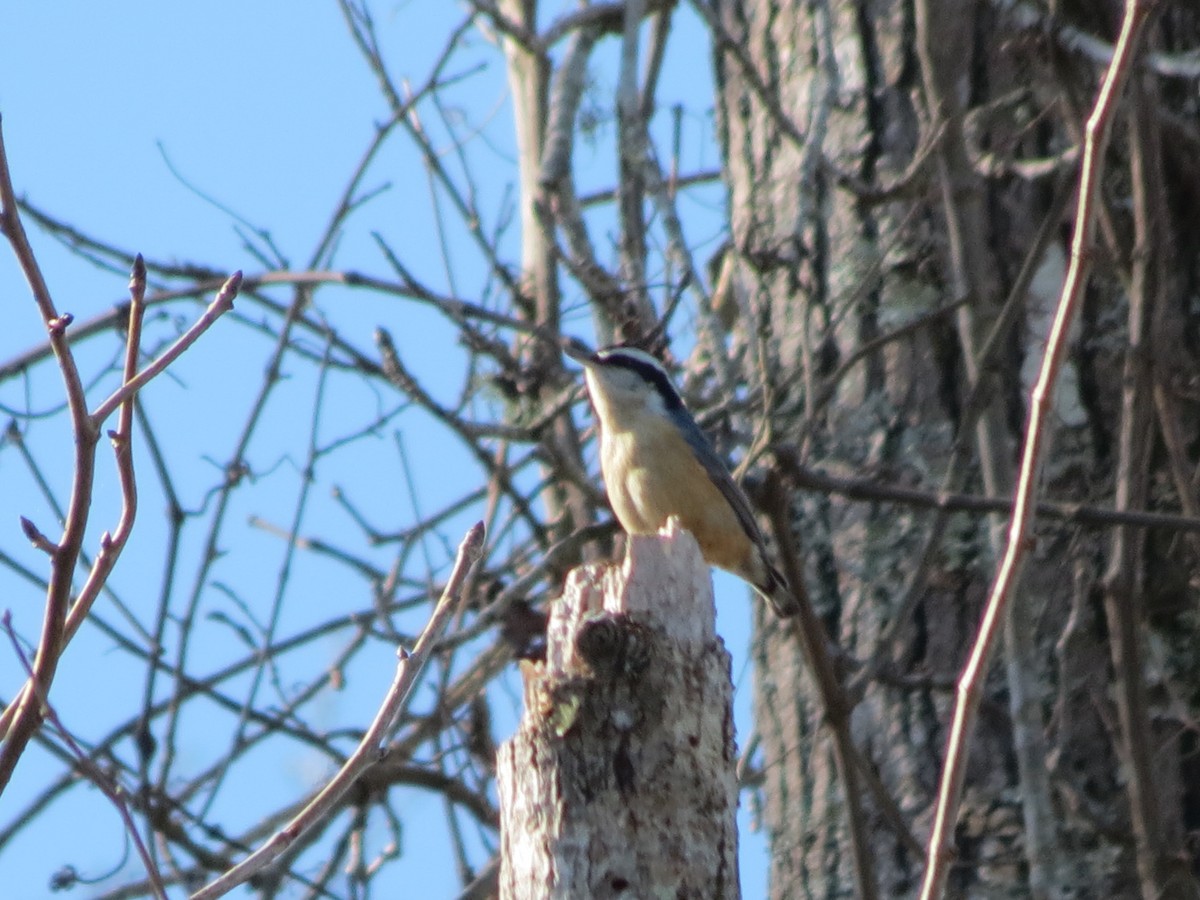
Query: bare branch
220	305
111	789
971	681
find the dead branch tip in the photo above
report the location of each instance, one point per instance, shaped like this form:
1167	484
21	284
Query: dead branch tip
137	276
229	290
472	545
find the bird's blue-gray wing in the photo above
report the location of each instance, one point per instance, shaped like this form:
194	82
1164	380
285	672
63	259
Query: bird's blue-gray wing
775	587
718	472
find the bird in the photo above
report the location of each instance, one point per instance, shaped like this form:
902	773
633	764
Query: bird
656	463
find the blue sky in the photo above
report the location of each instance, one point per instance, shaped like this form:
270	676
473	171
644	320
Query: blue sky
265	107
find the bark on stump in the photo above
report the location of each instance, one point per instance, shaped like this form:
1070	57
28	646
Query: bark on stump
620	780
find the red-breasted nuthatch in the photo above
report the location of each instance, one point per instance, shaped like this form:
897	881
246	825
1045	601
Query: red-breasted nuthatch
657	463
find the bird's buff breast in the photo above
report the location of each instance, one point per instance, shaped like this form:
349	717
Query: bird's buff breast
654	477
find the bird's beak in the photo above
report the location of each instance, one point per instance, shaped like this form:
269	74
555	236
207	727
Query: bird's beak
579	353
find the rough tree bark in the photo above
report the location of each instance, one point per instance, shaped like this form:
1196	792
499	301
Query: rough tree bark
908	163
620	780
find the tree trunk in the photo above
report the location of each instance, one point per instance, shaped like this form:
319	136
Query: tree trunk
886	162
620	780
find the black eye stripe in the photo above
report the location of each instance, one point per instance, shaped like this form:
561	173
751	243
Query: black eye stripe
646	370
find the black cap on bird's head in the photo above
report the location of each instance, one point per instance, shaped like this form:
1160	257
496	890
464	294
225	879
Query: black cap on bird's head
633	360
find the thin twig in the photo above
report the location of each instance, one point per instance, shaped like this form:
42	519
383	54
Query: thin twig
220	305
870	490
814	642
